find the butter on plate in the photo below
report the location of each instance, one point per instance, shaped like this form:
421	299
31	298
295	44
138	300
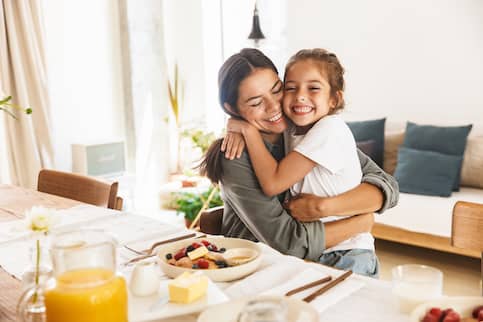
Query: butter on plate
187	287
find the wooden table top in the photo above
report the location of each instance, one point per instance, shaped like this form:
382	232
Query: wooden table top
14	201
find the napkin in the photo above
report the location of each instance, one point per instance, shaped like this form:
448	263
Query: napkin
322	302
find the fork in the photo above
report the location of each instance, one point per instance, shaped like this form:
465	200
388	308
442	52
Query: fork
149	252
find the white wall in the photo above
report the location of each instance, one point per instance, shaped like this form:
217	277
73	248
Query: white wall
82	46
417	60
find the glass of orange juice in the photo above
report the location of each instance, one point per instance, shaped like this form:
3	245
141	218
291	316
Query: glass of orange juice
85	286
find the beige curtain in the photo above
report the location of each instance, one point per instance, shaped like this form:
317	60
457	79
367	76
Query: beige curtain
23	75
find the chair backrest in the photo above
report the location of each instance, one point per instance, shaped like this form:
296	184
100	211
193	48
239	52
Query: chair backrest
78	187
211	220
467	228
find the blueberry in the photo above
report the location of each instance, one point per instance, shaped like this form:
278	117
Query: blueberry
209	247
222	250
221	264
190	248
169	256
195	266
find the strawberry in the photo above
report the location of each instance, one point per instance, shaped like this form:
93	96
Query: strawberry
451	316
430	318
477	310
203	263
437	312
196	245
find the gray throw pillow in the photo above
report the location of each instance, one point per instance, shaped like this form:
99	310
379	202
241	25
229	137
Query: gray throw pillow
426	172
443	139
371	130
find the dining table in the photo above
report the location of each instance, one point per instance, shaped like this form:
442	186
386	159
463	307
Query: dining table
358	298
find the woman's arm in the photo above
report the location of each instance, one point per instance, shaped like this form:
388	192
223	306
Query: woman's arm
274	177
378	192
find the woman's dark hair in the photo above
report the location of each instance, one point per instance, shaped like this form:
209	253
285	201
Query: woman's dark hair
329	66
233	71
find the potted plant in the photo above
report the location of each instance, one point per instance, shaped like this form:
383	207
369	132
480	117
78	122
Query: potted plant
192	204
7	106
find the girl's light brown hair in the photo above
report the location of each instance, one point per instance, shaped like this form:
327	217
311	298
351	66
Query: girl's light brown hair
329	66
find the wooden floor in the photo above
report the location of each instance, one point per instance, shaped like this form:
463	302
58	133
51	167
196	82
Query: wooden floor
461	273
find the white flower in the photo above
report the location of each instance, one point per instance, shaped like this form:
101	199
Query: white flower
40	219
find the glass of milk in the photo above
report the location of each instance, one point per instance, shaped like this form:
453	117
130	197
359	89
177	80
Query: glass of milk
414	284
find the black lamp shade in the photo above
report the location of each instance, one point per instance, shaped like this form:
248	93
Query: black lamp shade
256	33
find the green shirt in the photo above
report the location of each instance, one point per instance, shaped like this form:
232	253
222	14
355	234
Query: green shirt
250	214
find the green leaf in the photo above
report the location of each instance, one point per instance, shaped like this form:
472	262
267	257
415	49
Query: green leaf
5	100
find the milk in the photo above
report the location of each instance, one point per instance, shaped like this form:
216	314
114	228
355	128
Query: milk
410	295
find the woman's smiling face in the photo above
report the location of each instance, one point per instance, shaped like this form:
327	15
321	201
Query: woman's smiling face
260	101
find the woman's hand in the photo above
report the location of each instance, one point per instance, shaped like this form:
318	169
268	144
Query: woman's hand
233	145
307	207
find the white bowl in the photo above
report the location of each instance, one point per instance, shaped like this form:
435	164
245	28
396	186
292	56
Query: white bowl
217	275
297	310
463	305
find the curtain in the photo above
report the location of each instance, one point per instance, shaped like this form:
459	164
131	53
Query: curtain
23	75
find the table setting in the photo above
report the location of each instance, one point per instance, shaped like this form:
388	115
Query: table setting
164	272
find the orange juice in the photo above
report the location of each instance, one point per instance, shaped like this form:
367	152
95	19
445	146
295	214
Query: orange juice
94	295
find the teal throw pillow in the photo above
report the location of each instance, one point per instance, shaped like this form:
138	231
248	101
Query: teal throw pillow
426	172
370	130
443	139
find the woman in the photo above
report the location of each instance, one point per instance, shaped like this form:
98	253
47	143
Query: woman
249	88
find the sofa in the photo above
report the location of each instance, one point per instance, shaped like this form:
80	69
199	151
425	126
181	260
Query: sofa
426	221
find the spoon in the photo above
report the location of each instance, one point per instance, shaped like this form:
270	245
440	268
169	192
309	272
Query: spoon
234	256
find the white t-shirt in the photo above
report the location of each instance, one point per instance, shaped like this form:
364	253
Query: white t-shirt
331	145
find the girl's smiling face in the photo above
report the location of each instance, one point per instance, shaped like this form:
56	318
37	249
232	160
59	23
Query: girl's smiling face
306	94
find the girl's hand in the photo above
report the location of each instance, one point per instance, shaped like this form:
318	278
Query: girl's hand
237	126
307	207
233	145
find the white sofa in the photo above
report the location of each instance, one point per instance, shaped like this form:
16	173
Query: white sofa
426	220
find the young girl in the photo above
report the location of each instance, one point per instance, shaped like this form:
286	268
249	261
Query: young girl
323	158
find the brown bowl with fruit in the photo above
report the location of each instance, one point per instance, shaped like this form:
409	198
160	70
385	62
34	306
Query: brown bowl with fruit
221	259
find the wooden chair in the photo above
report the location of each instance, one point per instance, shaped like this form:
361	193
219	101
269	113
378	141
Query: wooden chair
81	188
211	220
467	228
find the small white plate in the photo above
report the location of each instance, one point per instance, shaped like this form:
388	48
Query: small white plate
297	310
463	305
216	275
141	308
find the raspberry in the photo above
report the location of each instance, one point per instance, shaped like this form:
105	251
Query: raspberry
203	263
205	242
180	254
196	245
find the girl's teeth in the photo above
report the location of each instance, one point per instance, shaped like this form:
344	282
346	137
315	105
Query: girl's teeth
303	109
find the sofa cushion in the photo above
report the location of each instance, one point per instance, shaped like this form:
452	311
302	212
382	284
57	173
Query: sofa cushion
391	145
472	170
426	172
443	139
370	130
